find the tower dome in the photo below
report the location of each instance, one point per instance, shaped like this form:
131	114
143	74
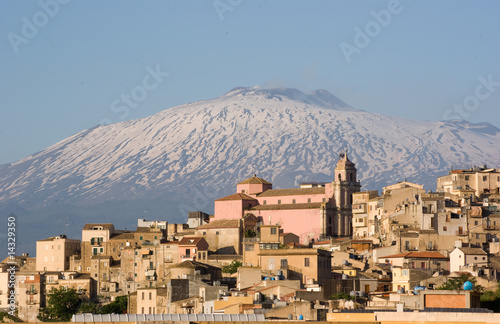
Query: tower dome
345	169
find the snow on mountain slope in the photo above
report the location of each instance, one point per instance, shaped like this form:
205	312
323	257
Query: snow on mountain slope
206	147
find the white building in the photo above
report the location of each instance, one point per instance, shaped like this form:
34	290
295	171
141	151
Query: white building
467	257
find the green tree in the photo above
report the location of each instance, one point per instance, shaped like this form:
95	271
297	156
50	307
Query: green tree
119	306
249	233
342	296
89	307
62	303
491	299
458	283
232	267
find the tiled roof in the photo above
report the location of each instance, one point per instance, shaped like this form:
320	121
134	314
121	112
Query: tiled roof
292	192
255	180
192	265
221	223
236	196
123	236
416	255
287	206
472	251
190	240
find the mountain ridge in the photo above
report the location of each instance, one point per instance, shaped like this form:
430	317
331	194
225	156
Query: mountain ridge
183	157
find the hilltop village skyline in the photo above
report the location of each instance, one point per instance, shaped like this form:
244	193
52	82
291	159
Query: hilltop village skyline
269	252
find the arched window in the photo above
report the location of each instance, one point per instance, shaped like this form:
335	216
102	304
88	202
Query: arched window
350	177
340	178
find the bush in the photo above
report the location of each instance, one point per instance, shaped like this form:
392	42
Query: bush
232	267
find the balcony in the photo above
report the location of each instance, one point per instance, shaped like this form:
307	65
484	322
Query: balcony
31	292
462	233
490	227
251	239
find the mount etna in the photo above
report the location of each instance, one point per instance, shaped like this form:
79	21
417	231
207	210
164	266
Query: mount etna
181	159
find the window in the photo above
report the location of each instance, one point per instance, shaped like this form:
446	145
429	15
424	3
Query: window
309	200
216	233
264	202
150	295
156	237
204	233
478	236
249	247
484	178
476	222
306	262
243	191
293	201
140	238
273	230
284	264
324	200
445	228
466	178
279	201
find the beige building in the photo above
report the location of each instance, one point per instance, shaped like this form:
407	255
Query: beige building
363	225
4	283
223	236
310	266
53	254
461	258
29	296
480	181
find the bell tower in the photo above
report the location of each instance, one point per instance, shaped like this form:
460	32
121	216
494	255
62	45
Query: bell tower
345	184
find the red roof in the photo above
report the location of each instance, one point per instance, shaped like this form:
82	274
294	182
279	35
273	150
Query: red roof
236	196
190	240
416	255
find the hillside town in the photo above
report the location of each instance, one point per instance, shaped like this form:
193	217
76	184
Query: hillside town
318	252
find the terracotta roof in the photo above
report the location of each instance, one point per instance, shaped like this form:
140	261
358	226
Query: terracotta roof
236	196
322	242
416	255
221	223
292	192
297	245
472	251
192	265
255	180
287	206
190	240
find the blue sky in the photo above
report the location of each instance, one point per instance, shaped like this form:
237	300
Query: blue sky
67	65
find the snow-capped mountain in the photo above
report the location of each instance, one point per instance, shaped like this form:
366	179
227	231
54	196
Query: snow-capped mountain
182	158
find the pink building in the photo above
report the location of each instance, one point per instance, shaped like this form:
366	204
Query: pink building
313	211
193	249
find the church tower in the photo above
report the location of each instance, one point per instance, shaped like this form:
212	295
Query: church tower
345	184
